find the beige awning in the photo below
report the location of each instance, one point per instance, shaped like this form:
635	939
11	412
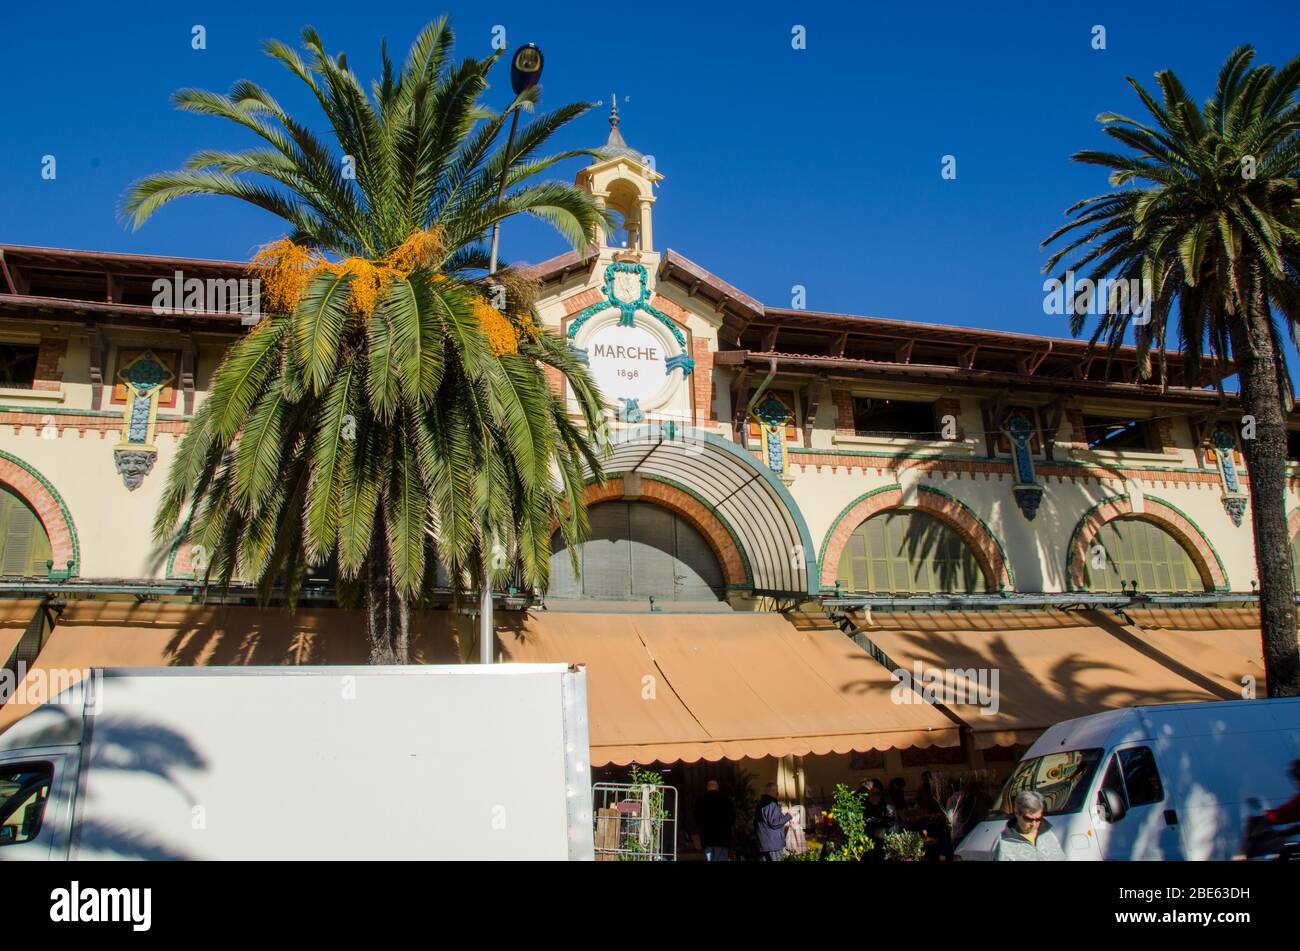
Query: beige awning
152	634
667	687
661	687
1051	666
1222	643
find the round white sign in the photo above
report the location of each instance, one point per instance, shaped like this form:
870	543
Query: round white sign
627	362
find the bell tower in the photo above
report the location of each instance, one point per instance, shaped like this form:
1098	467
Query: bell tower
622	180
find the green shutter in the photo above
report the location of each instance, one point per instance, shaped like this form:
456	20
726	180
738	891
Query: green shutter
24	546
1137	549
908	553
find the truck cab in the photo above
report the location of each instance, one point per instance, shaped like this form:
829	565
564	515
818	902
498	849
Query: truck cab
38	769
1163	783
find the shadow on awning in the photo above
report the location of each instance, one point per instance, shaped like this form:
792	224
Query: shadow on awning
152	634
664	687
661	687
1050	666
1224	644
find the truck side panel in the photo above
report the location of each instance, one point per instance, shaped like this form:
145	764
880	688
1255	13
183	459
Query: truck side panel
1214	759
354	763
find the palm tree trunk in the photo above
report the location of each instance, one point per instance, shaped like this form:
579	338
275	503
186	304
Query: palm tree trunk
402	648
381	609
1253	349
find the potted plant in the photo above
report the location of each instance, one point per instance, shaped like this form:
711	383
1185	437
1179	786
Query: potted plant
906	845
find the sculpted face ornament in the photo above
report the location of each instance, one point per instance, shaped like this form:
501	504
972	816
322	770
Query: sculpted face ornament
1235	506
133	465
143	379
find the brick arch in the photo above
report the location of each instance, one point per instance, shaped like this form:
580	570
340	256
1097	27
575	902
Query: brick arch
953	513
735	570
49	507
1158	512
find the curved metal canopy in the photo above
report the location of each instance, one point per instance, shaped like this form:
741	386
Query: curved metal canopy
746	496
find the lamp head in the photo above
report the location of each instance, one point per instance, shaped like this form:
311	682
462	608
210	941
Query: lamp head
525	68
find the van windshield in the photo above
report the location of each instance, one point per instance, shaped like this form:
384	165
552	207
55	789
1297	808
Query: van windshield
1061	778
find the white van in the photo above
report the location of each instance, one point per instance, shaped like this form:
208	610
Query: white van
417	762
1176	781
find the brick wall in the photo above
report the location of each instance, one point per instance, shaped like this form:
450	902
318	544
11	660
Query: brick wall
843	413
1077	438
948	407
676	313
49	363
78	423
702	382
582	301
1165	436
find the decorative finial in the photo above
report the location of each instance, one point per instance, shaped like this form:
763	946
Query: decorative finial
613	111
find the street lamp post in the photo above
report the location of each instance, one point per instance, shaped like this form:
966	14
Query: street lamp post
525	72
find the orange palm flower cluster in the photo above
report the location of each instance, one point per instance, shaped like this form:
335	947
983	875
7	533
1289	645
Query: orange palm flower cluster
285	269
502	336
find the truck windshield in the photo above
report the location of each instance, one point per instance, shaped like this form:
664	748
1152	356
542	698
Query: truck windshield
1061	778
23	794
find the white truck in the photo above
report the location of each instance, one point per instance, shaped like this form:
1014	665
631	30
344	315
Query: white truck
1174	781
419	762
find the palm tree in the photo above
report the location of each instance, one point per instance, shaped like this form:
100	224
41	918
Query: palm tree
385	413
1207	211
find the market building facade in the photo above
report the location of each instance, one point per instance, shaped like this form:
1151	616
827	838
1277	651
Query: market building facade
798	505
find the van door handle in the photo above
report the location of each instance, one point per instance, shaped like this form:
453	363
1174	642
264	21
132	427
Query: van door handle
1171	817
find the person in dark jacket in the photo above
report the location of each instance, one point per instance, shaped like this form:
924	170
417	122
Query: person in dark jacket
769	825
879	817
898	795
715	815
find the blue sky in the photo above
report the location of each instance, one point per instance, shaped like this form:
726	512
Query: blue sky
818	167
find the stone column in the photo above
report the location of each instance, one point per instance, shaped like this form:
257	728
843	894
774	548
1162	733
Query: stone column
647	244
602	239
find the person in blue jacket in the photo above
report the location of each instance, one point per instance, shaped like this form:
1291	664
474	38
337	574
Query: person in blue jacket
769	825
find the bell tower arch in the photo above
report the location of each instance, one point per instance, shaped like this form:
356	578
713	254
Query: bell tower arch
622	180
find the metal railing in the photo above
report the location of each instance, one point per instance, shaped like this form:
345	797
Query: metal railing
635	822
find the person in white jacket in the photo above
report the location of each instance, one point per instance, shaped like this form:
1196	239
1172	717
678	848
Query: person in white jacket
1028	836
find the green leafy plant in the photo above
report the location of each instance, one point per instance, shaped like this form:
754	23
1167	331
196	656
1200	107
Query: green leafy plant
634	849
815	853
847	816
906	845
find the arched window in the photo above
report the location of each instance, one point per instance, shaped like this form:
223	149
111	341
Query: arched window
908	552
24	546
636	550
1138	550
